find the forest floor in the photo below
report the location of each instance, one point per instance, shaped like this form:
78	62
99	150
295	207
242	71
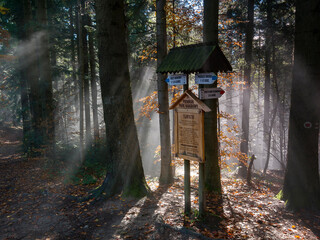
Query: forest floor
35	203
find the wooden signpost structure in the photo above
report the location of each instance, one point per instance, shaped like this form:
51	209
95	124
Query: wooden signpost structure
189	140
206	60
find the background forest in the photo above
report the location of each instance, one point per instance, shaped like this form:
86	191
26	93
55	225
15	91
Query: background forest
81	102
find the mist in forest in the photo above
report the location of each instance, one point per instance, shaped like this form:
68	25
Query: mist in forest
144	83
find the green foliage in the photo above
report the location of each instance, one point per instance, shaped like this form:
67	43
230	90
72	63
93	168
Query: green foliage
279	195
91	169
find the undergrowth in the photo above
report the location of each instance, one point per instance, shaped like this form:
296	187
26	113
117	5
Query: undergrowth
88	171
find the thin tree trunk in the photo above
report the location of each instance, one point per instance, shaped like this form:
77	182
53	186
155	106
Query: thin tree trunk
266	119
166	175
93	84
81	79
84	49
247	91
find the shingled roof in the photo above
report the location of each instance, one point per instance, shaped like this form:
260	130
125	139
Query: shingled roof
204	57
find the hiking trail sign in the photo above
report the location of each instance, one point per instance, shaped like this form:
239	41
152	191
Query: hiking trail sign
189	127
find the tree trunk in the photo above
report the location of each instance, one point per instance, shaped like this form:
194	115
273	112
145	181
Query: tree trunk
94	94
124	166
45	74
81	78
32	76
85	62
21	21
247	89
267	83
73	61
212	169
166	175
301	187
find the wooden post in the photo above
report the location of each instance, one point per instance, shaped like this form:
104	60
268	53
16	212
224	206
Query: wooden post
202	197
187	192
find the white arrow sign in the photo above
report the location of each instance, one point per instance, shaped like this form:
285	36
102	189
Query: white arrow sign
211	93
205	78
179	79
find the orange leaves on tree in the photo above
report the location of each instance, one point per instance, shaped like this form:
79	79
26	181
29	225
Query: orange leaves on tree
4	10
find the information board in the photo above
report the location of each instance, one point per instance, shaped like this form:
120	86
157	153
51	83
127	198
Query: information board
189	130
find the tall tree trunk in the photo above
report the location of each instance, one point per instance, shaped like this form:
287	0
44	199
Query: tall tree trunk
267	83
85	59
276	98
45	74
212	169
73	56
301	184
21	21
247	90
93	83
166	175
81	78
124	166
32	75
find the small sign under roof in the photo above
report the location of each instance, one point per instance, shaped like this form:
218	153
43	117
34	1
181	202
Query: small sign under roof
177	79
205	78
210	93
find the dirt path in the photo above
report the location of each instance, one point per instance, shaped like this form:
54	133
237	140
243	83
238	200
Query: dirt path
35	204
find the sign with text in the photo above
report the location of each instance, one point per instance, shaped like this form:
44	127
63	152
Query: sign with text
189	130
205	78
210	93
177	79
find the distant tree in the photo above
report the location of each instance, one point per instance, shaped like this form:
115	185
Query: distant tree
267	81
93	80
85	71
166	175
247	88
301	185
81	60
124	166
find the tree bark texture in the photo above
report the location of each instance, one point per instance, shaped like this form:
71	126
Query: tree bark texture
212	168
247	89
124	166
166	175
21	21
32	76
45	74
301	185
